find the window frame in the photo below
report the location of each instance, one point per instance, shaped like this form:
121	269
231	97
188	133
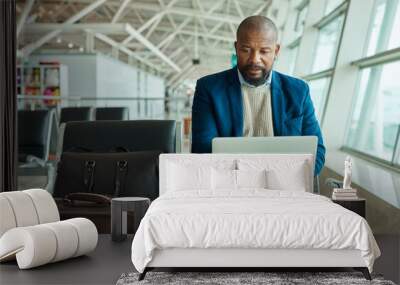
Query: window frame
339	11
326	6
294	45
322	75
303	5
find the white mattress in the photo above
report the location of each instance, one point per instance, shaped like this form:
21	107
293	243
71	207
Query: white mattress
254	218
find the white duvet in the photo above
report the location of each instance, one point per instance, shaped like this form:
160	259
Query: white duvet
250	219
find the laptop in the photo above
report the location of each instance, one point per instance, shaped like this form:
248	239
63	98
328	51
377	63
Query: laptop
273	145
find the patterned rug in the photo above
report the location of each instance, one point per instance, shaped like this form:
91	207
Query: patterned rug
243	278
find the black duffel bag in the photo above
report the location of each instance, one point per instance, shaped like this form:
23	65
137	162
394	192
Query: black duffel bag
112	174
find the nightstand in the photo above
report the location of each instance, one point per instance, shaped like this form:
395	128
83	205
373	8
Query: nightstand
355	205
119	207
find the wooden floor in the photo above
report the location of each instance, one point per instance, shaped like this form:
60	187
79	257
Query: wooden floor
110	259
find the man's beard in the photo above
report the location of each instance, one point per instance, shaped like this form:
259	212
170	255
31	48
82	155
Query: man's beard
255	81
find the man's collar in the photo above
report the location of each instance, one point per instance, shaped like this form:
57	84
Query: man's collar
244	82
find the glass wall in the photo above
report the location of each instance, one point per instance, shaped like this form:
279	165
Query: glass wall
374	127
319	91
385	27
375	121
292	57
374	116
326	48
301	19
332	5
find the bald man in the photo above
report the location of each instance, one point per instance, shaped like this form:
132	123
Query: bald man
251	99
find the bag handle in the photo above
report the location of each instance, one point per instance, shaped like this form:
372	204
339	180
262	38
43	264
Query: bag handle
119	149
122	167
87	197
78	149
88	176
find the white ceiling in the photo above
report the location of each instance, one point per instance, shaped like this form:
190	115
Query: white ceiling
163	36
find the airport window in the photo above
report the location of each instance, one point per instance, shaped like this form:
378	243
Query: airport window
301	19
293	52
328	40
332	5
318	91
375	122
385	27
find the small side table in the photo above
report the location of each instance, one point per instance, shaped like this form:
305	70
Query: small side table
119	208
355	205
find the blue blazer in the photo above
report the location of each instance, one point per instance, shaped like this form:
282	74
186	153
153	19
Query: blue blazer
218	110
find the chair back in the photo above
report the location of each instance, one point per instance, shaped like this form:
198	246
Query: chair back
112	113
103	136
34	132
70	114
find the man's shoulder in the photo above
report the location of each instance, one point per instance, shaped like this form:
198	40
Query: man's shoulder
290	81
295	89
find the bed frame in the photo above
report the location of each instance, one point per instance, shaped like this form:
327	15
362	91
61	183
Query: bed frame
242	259
250	258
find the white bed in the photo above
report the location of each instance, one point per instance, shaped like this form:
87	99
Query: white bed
203	220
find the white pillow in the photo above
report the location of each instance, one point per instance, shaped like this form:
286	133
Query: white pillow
251	178
229	179
223	163
223	179
294	178
183	177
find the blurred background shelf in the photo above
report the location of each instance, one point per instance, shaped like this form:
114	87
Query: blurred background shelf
49	79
